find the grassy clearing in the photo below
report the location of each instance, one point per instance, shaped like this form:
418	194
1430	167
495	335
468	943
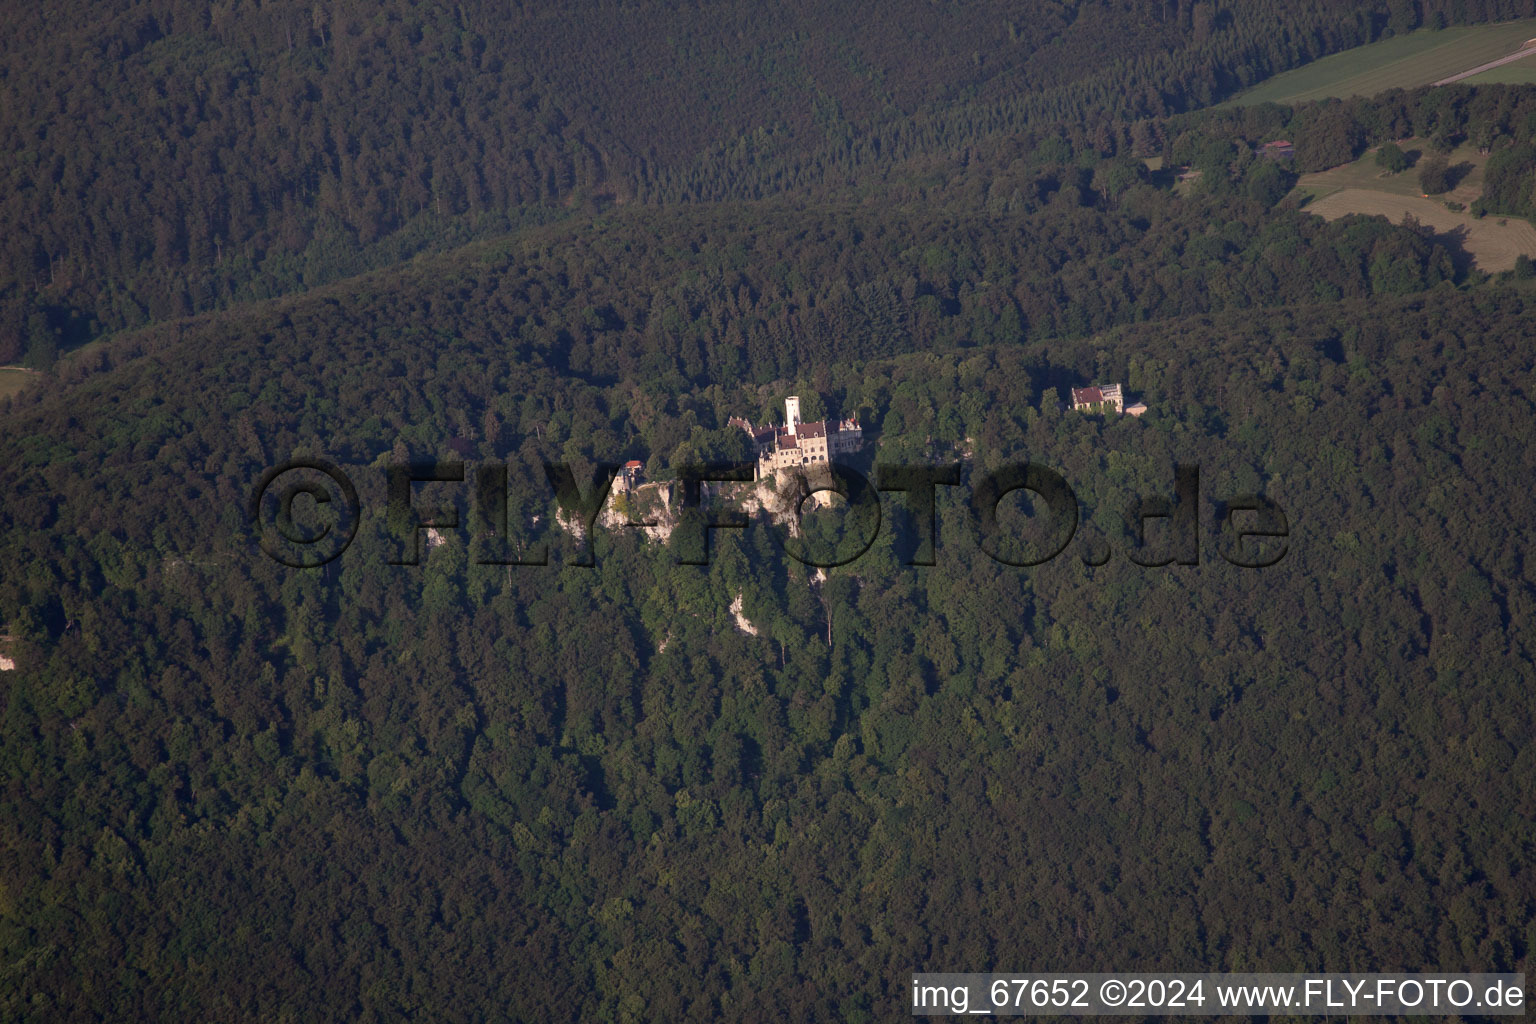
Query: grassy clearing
1492	242
1364	173
1406	62
13	379
1521	72
1185	188
1361	187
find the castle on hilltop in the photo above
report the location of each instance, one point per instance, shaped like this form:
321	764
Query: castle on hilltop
798	444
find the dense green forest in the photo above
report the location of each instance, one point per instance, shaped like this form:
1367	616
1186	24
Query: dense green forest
588	781
619	787
164	157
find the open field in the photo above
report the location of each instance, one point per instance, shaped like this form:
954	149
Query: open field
1363	187
1406	62
1523	73
1364	173
1493	242
13	379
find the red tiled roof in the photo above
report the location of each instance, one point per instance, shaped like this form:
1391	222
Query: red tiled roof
1087	396
632	464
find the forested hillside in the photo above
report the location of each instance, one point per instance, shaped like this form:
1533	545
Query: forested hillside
591	781
620	787
165	157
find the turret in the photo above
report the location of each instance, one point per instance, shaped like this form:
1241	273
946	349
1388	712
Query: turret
792	412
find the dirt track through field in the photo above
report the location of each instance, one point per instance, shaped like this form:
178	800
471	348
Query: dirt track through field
1528	50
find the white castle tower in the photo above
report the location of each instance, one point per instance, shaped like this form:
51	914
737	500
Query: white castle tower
798	444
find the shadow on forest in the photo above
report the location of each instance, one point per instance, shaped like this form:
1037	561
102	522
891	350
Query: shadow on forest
1456	173
1455	241
1056	380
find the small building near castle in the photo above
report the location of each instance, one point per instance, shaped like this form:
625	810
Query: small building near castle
798	444
1280	149
629	476
1099	398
